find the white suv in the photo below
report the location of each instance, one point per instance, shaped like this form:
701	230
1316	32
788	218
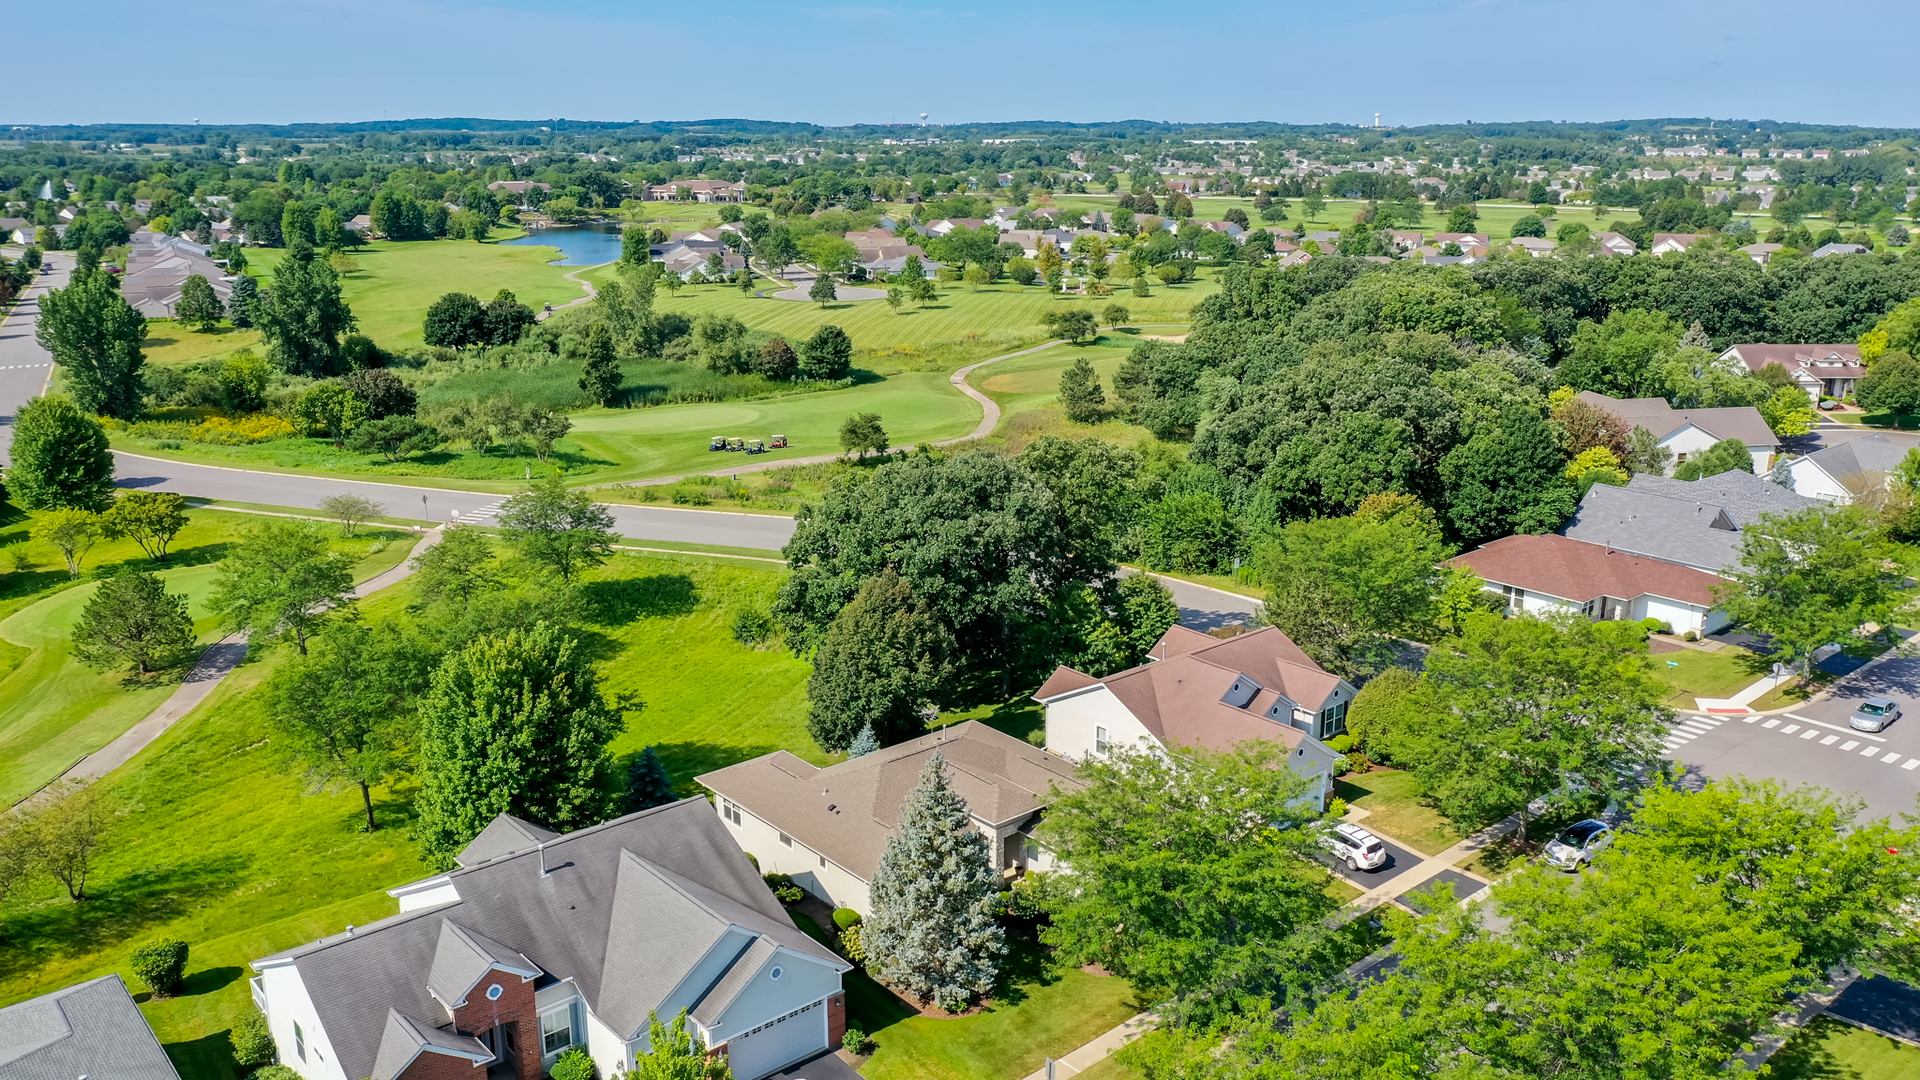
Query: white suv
1355	846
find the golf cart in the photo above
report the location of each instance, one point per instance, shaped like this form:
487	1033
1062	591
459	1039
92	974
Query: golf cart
717	442
755	446
779	442
736	444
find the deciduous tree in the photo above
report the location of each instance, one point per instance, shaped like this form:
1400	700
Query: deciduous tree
351	511
199	306
828	354
60	458
282	580
600	376
95	337
559	528
880	667
862	434
132	621
1813	578
73	530
302	315
460	567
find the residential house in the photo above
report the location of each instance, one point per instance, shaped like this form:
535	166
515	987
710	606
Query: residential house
71	214
519	187
1846	471
540	942
1667	243
1838	248
947	225
1761	253
706	191
1406	239
828	827
1465	240
1692	431
360	223
1202	691
1694	523
1820	370
1537	247
88	1029
1228	227
158	267
1450	260
1328	239
143	207
1612	243
1559	573
1028	239
11	226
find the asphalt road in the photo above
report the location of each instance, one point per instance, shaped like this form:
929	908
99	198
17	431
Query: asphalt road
25	367
1814	745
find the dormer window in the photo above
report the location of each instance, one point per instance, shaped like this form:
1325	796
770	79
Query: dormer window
1240	693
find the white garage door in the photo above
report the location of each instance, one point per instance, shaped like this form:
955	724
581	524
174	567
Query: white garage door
778	1042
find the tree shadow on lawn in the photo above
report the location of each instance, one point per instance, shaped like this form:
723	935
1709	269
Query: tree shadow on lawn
114	913
208	980
209	1057
686	760
621	601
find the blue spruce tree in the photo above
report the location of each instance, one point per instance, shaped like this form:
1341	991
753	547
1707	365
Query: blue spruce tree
647	784
932	932
863	743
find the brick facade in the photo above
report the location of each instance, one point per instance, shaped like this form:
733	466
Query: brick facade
514	1010
436	1066
836	1020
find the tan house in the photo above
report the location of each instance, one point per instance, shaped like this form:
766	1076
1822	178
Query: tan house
1820	370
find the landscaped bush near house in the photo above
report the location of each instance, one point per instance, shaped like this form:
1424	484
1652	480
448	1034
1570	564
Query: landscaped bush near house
855	1041
851	946
575	1064
160	966
845	918
784	888
276	1072
252	1041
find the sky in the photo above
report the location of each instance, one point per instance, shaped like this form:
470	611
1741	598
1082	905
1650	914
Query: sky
1413	61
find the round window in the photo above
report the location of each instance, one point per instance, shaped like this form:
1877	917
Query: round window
775	973
494	992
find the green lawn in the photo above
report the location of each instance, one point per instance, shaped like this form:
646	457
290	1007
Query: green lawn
53	710
1395	810
1040	1012
1704	674
221	846
168	342
1496	219
1829	1049
396	282
1005	309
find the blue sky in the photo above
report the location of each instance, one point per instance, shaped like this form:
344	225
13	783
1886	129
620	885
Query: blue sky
1414	61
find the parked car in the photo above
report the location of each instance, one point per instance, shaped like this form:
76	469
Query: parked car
1355	846
1874	714
1579	844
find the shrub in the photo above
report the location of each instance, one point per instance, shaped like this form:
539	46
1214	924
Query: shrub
843	918
276	1072
1690	636
784	888
160	966
252	1041
855	1041
575	1064
851	946
1341	744
752	626
1337	808
754	859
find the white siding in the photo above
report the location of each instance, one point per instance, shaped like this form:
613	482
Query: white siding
424	894
288	1004
1678	614
1692	442
610	1052
802	980
1072	724
1812	481
705	973
833	883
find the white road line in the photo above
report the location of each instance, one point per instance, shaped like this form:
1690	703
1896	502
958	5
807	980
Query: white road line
1810	733
1829	740
1832	727
1771	723
1850	744
1790	729
1698	729
1870	751
1912	762
1748	719
1890	758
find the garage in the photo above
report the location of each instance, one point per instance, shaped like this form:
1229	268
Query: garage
779	1042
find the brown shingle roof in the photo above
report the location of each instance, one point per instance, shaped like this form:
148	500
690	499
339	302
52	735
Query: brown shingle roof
848	811
1741	422
1578	571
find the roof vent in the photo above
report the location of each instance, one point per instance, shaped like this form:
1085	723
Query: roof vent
1240	693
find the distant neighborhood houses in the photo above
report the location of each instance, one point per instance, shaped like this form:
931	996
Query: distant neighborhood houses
159	266
1686	432
1823	371
706	191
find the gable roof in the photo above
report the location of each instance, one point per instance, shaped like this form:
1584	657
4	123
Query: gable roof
1578	571
1859	464
405	1038
1178	695
88	1029
571	910
503	835
462	957
1743	422
1841	361
847	812
1694	523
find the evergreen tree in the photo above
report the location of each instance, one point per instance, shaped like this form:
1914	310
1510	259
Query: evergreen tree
1080	392
95	335
246	290
647	783
863	744
60	458
600	377
881	663
932	931
132	621
513	724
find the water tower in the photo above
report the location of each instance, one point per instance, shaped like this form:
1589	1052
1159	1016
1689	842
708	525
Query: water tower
923	119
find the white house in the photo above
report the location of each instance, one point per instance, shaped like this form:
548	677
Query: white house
1198	690
1689	432
541	942
1846	471
1558	573
1820	370
828	827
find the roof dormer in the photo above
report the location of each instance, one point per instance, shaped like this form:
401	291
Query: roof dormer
1240	693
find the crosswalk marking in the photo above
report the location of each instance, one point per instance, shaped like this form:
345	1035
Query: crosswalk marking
1850	744
1790	729
1810	733
1771	723
1870	751
1912	762
1829	740
1890	758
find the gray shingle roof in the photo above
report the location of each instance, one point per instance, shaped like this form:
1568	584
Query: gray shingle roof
563	920
736	979
1693	523
405	1037
88	1029
461	957
1859	464
504	835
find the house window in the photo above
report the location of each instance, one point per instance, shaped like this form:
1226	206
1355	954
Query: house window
1100	743
299	1041
787	840
729	811
823	862
1333	720
556	1030
1515	597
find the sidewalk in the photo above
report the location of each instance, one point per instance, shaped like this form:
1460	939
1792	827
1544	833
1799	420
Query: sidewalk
1738	703
1086	1057
1433	866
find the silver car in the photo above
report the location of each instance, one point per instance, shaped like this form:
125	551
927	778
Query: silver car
1579	844
1874	714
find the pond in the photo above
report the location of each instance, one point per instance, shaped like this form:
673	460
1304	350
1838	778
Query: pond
580	245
